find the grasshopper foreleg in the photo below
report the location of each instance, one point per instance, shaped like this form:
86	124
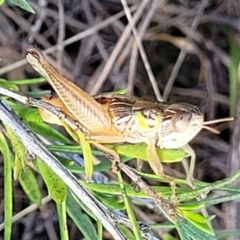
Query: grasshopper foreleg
157	167
189	169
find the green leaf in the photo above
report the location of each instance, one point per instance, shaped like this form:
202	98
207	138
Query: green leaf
121	91
193	216
129	208
62	219
9	85
23	4
182	231
48	132
81	219
115	189
189	231
1	2
38	94
127	232
56	187
193	206
30	186
233	72
196	219
20	153
139	151
32	118
7	172
64	161
168	236
107	201
28	114
18	167
31	81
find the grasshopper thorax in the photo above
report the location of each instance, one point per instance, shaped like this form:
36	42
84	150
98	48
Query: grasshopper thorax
181	123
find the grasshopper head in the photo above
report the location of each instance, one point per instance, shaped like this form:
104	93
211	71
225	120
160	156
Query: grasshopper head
181	123
37	60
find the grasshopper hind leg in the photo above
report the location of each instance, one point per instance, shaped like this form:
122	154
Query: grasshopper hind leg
110	154
157	168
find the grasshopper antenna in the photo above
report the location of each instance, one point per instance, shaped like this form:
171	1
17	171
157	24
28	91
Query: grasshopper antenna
215	121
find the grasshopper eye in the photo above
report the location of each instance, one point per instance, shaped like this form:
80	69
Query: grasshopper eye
181	121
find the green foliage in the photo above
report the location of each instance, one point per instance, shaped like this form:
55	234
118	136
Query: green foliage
196	219
8	84
82	220
30	186
56	187
234	71
23	4
129	208
188	231
139	151
8	205
32	119
20	153
62	216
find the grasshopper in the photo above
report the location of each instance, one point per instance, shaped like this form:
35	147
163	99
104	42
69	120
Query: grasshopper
115	119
